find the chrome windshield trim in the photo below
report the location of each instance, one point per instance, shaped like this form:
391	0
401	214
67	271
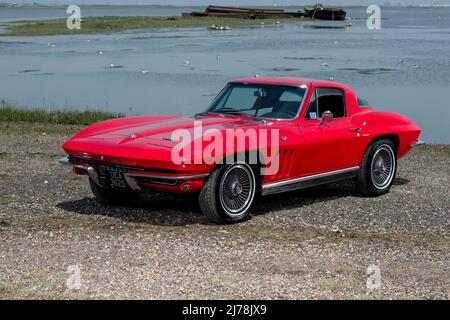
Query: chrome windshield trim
300	108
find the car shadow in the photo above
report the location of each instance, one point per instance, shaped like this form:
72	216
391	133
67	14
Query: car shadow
155	209
304	197
400	181
169	210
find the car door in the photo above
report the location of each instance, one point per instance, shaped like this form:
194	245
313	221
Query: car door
328	143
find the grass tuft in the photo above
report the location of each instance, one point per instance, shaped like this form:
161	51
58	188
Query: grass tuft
86	117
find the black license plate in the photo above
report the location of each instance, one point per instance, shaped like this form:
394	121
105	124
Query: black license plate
112	177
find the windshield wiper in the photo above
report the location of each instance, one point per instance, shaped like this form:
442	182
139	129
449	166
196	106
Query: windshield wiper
205	113
229	111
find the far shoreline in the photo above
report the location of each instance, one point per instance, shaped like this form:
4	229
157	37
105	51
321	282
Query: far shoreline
112	24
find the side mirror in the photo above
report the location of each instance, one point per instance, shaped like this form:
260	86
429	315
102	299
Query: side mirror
326	115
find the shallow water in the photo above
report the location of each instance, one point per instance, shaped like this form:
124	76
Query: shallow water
404	67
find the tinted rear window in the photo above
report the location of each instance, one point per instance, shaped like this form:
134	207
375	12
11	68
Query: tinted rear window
362	102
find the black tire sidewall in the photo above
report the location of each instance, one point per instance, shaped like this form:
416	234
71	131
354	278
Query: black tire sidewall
221	211
368	166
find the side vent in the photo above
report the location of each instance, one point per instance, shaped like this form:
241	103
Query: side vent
286	164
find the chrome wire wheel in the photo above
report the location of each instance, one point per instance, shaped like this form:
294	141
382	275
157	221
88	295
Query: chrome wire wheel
237	189
383	167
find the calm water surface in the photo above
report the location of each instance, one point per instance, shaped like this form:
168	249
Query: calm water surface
404	67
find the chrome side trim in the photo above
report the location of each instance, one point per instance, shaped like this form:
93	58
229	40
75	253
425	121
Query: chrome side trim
417	143
309	181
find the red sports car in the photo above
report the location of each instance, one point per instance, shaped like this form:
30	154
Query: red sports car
259	136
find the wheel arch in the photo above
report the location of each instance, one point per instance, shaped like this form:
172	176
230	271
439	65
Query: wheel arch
391	136
246	157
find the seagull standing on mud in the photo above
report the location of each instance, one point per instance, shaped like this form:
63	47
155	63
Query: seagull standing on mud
187	62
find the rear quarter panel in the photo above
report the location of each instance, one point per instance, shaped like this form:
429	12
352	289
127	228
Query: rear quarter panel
376	124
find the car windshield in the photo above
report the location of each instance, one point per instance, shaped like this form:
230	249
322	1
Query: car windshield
259	100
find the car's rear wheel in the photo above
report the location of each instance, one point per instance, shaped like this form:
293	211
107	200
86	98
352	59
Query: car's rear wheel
378	168
113	196
229	193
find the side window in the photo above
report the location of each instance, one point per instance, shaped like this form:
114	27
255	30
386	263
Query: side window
311	113
331	99
362	102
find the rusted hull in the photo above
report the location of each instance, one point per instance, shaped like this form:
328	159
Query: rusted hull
333	14
245	13
318	12
242	15
222	9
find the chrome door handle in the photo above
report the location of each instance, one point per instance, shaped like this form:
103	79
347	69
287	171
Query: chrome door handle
355	129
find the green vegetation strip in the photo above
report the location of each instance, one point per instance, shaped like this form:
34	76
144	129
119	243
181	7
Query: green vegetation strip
12	114
114	24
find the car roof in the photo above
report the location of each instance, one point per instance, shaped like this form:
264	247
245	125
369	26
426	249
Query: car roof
288	81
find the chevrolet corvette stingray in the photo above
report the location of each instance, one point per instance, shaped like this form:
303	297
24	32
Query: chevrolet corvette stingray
293	133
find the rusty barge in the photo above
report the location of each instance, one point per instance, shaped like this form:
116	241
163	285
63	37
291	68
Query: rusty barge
316	12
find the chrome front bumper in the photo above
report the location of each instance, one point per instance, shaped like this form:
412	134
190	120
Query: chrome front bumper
131	177
92	173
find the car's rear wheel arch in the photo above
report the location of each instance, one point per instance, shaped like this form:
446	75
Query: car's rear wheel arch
393	137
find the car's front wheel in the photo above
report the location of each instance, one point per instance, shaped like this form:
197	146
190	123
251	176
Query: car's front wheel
112	196
378	168
229	193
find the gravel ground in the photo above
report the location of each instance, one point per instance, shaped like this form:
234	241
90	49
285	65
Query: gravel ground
315	244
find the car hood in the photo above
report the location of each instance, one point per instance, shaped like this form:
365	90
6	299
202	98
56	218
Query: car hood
146	137
157	130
